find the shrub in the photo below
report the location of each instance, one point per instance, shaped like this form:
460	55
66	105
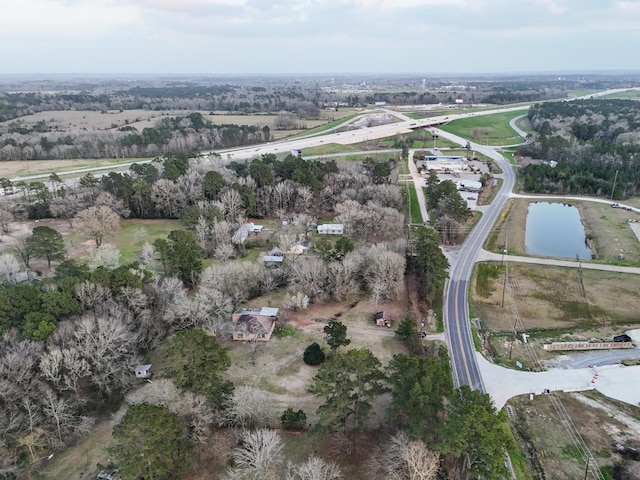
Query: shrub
313	354
284	330
291	420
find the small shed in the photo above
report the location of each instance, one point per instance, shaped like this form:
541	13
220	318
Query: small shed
382	319
143	371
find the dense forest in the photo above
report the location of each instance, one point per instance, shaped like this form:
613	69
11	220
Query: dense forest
595	142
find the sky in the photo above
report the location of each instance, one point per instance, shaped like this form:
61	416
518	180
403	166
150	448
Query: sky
318	36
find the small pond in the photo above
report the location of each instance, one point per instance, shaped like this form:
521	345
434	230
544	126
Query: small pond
555	230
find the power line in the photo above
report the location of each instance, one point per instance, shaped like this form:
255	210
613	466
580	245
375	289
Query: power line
561	411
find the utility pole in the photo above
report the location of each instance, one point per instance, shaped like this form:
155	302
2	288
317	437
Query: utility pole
586	470
615	179
506	263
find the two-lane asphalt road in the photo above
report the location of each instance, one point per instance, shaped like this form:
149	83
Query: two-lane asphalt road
456	308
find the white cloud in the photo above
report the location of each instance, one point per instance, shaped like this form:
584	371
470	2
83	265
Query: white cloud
321	35
46	18
628	8
553	6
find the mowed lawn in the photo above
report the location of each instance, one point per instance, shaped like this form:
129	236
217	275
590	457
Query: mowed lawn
129	239
486	129
135	232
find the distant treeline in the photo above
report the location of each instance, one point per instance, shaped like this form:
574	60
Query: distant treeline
301	98
293	102
590	140
178	134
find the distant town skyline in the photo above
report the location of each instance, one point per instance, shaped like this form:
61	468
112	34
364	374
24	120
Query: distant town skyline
318	36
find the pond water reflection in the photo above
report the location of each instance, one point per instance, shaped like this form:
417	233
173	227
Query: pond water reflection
555	230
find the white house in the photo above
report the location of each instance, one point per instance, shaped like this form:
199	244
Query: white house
331	229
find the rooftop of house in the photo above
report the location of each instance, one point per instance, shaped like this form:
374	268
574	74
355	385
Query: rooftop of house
254	324
273	258
264	311
331	225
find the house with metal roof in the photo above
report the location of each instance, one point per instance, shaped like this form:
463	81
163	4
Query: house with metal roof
254	324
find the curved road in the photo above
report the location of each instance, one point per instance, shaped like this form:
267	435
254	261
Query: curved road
456	307
456	313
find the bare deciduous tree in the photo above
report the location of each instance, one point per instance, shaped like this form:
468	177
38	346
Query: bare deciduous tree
165	294
369	219
202	230
93	296
24	250
236	279
75	369
9	267
98	221
133	299
287	239
248	407
51	365
168	198
65	207
305	199
309	276
62	412
404	458
105	342
221	232
314	468
297	301
384	275
258	456
224	251
33	442
148	254
342	276
6	217
207	308
232	205
448	228
106	256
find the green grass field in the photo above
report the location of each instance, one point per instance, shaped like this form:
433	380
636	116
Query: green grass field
486	129
330	148
626	95
416	216
134	233
380	157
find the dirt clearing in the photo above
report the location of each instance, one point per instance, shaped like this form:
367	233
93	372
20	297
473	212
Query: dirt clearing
549	297
601	422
